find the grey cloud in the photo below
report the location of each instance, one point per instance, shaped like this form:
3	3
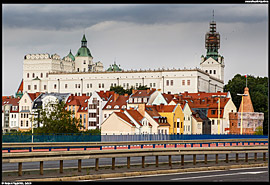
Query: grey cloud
69	17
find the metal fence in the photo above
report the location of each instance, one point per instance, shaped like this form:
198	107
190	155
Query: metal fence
81	137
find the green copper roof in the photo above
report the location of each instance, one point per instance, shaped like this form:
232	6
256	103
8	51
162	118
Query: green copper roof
114	68
70	55
83	51
84	39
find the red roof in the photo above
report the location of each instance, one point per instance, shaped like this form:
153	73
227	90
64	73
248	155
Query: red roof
33	96
116	100
7	100
80	101
135	115
105	95
20	89
143	93
124	117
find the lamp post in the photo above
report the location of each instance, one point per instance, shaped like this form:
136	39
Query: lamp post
241	126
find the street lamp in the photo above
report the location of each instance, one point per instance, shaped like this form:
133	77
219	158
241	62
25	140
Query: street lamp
241	127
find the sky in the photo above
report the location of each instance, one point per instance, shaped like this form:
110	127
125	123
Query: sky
136	36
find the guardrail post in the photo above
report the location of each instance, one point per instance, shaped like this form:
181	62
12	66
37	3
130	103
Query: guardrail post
128	162
205	158
141	146
61	166
96	165
165	145
170	160
255	156
156	160
264	156
154	145
115	147
236	157
182	160
216	158
143	161
41	167
68	148
227	158
113	163
194	159
128	146
79	165
20	169
30	149
246	157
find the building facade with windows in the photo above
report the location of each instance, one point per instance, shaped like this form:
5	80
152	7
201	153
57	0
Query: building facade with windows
80	75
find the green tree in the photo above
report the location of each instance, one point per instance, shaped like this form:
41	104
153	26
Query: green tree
258	90
56	119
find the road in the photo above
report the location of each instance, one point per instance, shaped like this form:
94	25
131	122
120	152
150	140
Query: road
258	174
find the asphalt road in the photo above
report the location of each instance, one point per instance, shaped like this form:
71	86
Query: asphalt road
119	161
258	174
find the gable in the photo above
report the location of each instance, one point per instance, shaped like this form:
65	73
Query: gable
209	61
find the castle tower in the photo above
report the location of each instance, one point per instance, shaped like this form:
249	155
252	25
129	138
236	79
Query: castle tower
246	101
83	58
213	63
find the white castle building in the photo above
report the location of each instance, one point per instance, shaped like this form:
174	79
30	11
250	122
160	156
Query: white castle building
79	74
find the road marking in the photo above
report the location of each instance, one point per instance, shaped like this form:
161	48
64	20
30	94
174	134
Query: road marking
207	176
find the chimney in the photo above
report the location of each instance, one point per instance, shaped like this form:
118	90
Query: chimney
159	89
141	109
115	96
126	95
134	91
147	90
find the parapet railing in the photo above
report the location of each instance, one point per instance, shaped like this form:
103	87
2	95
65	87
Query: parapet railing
8	147
128	153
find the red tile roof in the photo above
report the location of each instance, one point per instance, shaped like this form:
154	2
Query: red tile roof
120	101
7	100
80	101
124	117
143	93
136	116
105	95
33	96
20	89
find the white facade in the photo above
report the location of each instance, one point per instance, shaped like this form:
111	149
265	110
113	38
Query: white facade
213	67
187	119
173	81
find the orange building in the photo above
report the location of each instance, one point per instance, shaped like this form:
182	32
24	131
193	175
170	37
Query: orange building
79	105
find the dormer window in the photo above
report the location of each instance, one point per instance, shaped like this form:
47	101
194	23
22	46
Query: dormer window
123	107
130	100
116	107
109	107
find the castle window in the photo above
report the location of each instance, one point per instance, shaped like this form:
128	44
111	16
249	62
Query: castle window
171	82
210	72
102	85
78	69
54	86
45	87
41	75
168	82
90	85
214	71
183	82
84	62
83	69
65	85
188	82
27	75
154	84
33	75
29	87
206	71
35	87
87	85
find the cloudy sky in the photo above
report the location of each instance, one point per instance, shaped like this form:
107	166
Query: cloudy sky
136	36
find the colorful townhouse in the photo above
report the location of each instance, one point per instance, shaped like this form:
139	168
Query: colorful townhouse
25	106
79	106
175	117
10	114
96	103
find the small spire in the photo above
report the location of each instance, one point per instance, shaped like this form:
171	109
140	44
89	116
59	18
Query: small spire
213	15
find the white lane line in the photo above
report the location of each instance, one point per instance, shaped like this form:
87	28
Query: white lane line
207	176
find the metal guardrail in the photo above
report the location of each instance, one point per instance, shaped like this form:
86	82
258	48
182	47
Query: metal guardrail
97	154
100	145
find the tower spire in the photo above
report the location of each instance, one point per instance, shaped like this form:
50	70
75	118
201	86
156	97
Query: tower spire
213	16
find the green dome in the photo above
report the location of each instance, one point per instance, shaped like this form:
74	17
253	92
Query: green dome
70	55
83	51
114	68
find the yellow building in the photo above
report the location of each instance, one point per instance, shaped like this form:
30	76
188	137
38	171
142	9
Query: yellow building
175	117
